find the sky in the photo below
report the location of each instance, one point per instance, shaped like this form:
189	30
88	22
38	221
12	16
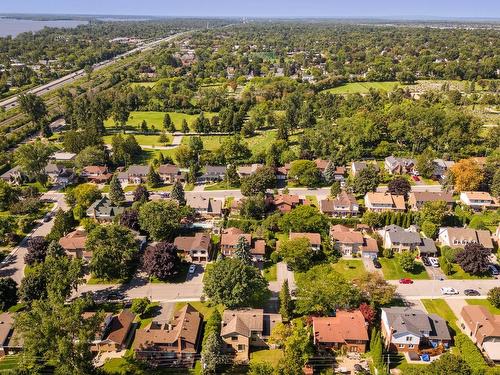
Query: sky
262	8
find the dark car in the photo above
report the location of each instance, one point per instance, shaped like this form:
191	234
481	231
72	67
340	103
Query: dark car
426	262
289	268
471	292
376	263
113	296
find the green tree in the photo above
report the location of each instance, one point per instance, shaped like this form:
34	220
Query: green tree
375	289
231	177
83	195
367	180
263	179
91	155
233	283
399	186
160	219
322	291
449	364
184	126
430	229
305	172
63	224
212	354
8	195
177	193
168	125
8	293
253	207
32	158
376	350
335	189
116	194
242	251
425	164
286	303
494	296
297	350
260	368
304	219
434	212
297	253
140	305
154	179
120	111
114	251
33	106
329	173
407	261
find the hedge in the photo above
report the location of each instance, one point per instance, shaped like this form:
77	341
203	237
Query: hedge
471	354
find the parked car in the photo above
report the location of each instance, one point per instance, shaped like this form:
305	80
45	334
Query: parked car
192	268
115	295
289	268
426	262
434	262
376	263
47	218
471	292
449	291
415	178
406	280
493	270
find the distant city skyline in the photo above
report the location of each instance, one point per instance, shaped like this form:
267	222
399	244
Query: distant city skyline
264	8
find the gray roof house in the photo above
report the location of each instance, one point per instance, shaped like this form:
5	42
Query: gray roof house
213	173
204	206
395	165
399	239
59	174
358	166
138	173
104	210
13	176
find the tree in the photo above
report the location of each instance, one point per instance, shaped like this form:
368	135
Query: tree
407	261
130	219
335	189
304	219
234	283
286	303
242	251
264	178
154	179
63	224
399	186
141	194
467	175
116	194
297	350
177	193
37	250
33	285
168	125
305	172
376	350
329	173
406	77
371	218
253	207
231	177
375	289
83	195
430	229
114	251
495	184
160	219
434	212
8	293
161	260
120	111
261	368
8	195
140	305
297	253
474	259
425	164
144	126
367	180
185	126
32	158
368	312
494	296
33	106
91	155
449	364
55	250
321	290
212	354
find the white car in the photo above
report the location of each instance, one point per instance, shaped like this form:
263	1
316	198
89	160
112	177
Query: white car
449	291
434	262
192	268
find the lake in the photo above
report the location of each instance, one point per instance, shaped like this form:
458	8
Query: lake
11	26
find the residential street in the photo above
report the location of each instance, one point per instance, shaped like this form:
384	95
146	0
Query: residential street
431	288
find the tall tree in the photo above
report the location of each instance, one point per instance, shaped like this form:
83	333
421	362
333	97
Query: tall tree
63	224
178	193
161	260
467	175
160	219
141	194
116	194
33	157
33	106
36	251
474	259
8	293
286	303
242	251
154	179
399	186
367	180
297	253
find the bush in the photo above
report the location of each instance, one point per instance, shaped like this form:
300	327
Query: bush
445	265
275	257
494	297
140	305
388	253
407	261
470	353
430	229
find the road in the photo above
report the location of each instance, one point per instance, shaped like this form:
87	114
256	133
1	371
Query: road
13	265
419	188
48	87
431	288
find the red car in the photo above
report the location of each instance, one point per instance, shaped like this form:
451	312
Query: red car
406	281
415	178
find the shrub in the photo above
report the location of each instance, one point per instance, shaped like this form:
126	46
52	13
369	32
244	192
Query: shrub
494	296
407	261
388	253
140	305
470	353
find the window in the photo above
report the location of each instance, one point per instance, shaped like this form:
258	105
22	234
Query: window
410	346
409	338
401	345
234	338
241	347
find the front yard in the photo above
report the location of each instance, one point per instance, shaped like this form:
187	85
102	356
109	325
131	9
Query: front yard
270	271
393	271
350	268
459	274
485	303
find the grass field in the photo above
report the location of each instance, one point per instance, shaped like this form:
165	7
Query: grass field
393	271
363	87
440	307
485	303
270	271
156	119
146	140
203	307
142	84
9	362
270	355
460	274
350	268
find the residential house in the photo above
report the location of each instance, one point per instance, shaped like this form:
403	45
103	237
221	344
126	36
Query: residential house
398	239
196	248
138	174
338	175
441	167
358	166
213	173
353	243
478	200
410	330
114	333
13	176
177	340
395	165
286	202
207	207
74	245
344	205
483	328
169	173
246	328
459	237
380	202
417	199
344	330
103	210
248	170
314	239
229	243
63	156
97	174
10	343
59	175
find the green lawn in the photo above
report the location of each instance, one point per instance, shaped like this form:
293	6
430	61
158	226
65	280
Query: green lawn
9	362
362	87
152	140
460	274
485	303
97	281
270	271
350	268
156	118
439	307
205	308
393	271
313	200
270	355
142	84
258	143
220	186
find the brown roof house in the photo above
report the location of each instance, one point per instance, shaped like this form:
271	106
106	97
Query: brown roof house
195	249
380	202
229	242
96	174
353	243
345	329
478	200
286	202
169	173
114	333
409	330
248	170
314	239
207	207
417	199
10	343
74	244
483	328
246	328
177	340
344	205
459	237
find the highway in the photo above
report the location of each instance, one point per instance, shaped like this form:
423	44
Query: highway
11	102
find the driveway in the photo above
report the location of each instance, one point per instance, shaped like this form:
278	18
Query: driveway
282	274
368	263
435	273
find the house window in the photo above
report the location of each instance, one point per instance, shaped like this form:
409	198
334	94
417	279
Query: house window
241	347
410	346
234	338
409	338
401	346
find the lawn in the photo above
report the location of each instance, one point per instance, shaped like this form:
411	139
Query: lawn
179	278
393	271
155	118
97	281
313	200
146	318
485	303
142	84
362	87
350	268
258	143
270	355
460	274
9	362
439	307
270	271
220	186
205	308
152	140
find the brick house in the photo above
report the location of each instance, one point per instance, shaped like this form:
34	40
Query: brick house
114	332
380	202
353	243
195	249
344	205
229	242
169	173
